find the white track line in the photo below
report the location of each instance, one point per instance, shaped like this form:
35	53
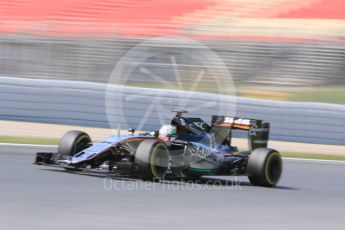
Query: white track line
314	160
284	158
27	145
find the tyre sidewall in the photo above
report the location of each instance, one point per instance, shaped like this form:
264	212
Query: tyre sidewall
73	142
146	158
259	167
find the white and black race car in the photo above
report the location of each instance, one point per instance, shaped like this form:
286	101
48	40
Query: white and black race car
186	148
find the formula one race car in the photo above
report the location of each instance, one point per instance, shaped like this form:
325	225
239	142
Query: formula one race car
187	148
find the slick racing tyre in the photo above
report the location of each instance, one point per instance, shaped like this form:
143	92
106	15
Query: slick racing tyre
264	167
152	159
73	142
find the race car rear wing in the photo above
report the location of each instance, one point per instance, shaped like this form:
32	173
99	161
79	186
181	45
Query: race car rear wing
258	131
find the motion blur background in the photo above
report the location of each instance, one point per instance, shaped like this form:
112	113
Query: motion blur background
287	59
293	49
275	49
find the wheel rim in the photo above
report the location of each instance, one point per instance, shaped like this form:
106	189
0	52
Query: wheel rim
159	161
80	144
273	169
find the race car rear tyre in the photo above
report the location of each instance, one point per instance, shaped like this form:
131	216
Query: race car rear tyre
152	160
264	167
73	142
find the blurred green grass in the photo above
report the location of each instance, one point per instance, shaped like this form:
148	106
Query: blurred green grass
335	95
313	156
29	140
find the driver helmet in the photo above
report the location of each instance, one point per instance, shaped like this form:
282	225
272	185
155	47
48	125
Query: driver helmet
167	131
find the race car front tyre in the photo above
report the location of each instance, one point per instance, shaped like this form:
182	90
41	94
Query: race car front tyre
73	142
264	167
152	160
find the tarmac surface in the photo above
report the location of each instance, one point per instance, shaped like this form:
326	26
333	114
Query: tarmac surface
310	195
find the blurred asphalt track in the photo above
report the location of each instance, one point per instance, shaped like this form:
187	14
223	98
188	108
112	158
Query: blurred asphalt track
309	196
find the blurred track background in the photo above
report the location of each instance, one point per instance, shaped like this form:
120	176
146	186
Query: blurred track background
275	49
287	59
